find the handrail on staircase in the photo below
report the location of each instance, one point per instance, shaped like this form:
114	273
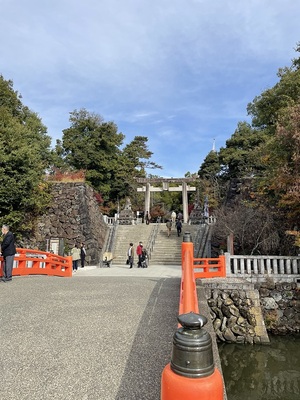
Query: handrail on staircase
112	237
198	239
152	238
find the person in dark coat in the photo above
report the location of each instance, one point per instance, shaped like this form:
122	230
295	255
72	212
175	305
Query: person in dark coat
147	218
178	227
8	251
82	254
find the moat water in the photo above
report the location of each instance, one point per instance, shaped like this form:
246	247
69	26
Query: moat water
262	372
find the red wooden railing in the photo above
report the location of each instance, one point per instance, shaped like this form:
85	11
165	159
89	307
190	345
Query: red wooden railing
35	262
209	267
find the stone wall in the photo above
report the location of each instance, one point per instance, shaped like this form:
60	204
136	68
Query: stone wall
236	315
281	306
243	313
75	217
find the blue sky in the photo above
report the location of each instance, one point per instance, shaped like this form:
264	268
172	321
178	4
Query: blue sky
180	72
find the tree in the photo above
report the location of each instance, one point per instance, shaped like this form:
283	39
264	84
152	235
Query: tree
210	168
211	182
133	161
266	108
239	158
281	182
254	229
138	155
24	157
93	145
263	160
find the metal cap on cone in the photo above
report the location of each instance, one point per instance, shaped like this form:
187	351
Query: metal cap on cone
192	354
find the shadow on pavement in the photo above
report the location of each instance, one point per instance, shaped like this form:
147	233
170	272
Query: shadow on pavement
152	345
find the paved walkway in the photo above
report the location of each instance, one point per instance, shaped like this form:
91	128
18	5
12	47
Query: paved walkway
154	271
104	334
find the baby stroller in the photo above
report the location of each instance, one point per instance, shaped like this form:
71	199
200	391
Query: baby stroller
107	262
107	259
144	259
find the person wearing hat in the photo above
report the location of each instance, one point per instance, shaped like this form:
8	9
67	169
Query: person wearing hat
139	252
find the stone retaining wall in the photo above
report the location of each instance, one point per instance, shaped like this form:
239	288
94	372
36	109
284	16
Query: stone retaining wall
74	216
243	313
236	316
281	306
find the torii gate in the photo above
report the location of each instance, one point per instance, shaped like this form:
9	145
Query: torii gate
184	188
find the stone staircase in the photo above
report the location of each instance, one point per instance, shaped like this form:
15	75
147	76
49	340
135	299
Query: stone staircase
126	234
166	250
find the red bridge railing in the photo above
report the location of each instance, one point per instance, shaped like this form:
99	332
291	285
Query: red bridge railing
35	262
173	385
209	267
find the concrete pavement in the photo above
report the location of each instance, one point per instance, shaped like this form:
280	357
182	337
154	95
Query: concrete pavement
154	271
105	333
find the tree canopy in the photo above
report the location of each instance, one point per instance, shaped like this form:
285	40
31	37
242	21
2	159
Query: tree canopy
24	156
267	150
95	146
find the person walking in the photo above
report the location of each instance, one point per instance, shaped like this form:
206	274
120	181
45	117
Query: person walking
180	216
75	253
82	254
178	227
8	251
173	217
144	258
139	252
147	218
169	227
130	255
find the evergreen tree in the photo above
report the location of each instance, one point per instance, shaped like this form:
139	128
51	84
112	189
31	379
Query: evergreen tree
240	156
133	162
210	168
93	145
24	157
267	152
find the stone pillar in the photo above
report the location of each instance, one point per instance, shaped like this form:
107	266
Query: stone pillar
228	264
185	203
147	199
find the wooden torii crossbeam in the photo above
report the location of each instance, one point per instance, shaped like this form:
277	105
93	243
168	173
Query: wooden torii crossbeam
165	186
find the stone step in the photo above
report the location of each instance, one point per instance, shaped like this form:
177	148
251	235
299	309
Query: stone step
126	234
166	250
